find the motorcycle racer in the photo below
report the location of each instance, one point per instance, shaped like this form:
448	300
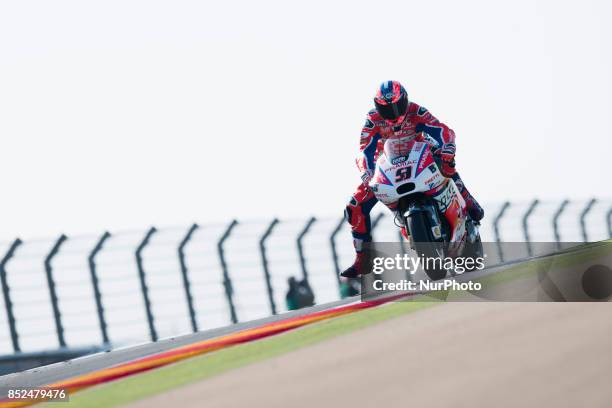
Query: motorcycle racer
395	116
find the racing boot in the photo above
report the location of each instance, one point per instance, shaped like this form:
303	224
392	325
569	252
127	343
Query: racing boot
354	271
358	267
474	209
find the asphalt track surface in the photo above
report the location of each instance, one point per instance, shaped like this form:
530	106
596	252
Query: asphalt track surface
456	354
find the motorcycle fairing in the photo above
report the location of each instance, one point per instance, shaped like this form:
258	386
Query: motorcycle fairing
406	161
453	206
415	164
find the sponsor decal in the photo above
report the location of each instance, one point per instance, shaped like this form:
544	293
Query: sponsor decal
405	134
431	180
399	159
446	197
369	124
424	160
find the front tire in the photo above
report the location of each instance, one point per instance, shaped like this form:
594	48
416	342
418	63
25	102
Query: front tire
473	250
425	245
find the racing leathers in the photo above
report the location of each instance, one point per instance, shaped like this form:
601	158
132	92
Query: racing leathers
373	136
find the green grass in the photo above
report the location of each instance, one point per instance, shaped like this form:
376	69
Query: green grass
198	368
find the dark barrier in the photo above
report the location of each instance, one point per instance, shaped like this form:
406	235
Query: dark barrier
24	361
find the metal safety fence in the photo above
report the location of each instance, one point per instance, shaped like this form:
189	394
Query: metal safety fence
117	289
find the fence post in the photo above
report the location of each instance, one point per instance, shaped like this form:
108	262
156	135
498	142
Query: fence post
227	282
496	220
52	292
143	283
375	222
379	217
300	247
334	250
555	222
525	222
610	223
7	295
96	285
185	274
264	263
583	215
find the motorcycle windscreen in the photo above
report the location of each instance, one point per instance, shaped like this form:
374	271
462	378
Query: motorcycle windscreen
396	149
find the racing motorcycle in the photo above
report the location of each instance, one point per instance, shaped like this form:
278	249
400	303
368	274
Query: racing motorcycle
408	181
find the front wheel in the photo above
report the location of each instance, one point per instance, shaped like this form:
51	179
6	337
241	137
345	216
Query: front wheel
473	250
425	245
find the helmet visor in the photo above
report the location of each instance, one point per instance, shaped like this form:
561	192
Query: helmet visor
392	111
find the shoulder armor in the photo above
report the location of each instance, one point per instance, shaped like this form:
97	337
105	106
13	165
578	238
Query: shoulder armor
368	124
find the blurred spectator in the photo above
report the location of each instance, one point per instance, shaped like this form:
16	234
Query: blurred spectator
300	294
349	287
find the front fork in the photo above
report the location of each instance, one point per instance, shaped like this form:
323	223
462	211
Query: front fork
430	213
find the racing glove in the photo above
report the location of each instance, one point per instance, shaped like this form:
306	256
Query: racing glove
446	154
366	176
